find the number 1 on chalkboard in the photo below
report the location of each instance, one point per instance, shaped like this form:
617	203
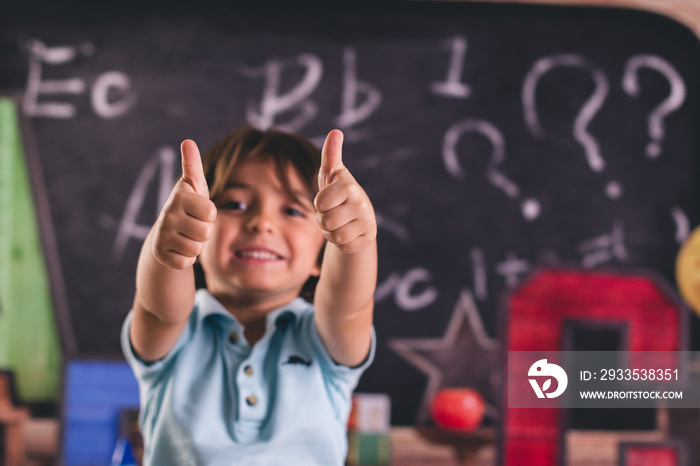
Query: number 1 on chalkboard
453	85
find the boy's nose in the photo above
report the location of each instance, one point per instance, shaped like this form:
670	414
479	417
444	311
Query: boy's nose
261	222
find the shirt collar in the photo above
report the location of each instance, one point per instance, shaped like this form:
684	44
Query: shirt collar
208	305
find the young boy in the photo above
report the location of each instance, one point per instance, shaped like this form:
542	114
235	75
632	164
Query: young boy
245	371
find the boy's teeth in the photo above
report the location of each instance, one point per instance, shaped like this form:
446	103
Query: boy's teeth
260	255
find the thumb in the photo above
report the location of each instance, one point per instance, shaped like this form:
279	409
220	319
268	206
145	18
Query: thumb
331	158
192	170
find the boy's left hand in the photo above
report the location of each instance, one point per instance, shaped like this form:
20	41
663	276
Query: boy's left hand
344	212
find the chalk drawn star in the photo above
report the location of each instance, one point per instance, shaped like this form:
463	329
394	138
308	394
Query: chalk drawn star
465	356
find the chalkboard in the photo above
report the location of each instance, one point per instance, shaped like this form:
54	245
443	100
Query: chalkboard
490	137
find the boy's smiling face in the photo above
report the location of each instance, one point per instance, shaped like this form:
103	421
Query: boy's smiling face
265	243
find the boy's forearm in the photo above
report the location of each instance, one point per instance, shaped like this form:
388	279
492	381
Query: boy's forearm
348	281
165	292
344	302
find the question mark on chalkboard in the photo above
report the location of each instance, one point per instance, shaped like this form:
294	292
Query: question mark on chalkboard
674	100
530	207
585	115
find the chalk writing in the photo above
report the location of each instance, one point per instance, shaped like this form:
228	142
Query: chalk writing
682	224
630	83
585	115
352	113
296	100
103	104
129	228
402	287
530	207
480	273
605	247
512	268
394	227
453	86
613	190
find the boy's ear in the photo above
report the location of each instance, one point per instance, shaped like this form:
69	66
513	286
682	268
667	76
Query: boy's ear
316	271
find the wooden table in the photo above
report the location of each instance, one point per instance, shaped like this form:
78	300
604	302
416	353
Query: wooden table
466	445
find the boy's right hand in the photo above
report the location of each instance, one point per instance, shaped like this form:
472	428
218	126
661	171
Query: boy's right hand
187	219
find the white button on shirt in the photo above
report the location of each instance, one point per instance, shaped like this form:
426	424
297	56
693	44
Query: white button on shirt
213	400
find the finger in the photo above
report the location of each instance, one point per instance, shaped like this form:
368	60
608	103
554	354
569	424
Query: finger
199	207
333	219
349	238
195	230
360	243
192	170
345	233
331	158
343	189
185	246
329	198
175	260
167	247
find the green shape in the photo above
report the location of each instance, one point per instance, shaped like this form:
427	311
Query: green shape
29	343
369	449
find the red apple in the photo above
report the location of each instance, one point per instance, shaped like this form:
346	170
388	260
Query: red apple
457	409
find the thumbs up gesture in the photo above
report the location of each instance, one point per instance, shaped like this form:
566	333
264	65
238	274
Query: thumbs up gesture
344	212
187	219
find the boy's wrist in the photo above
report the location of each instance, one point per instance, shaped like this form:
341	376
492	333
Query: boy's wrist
358	246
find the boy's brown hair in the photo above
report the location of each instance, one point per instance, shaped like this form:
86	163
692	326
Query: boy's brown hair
249	143
283	149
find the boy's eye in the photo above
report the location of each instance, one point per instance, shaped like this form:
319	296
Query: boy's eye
294	212
233	205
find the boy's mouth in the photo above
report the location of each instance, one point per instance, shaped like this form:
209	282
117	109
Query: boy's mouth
257	254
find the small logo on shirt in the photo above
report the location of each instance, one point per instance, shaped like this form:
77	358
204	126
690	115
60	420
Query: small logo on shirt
294	359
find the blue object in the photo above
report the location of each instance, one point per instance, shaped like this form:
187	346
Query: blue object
95	392
123	455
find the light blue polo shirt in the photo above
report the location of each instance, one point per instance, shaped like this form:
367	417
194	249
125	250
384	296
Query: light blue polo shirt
215	401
